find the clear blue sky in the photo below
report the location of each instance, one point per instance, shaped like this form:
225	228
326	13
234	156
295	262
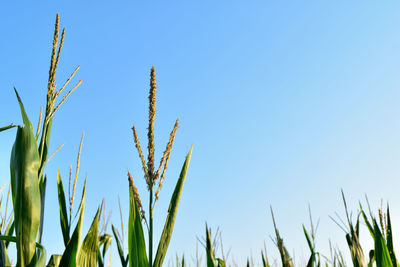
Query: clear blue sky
285	103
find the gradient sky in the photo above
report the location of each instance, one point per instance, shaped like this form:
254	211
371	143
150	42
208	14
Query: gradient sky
286	102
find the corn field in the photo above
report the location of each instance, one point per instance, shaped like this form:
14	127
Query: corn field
23	212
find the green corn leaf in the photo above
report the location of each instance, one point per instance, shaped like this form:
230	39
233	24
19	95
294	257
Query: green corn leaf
209	250
105	240
369	226
285	256
44	145
124	262
7	127
310	262
39	260
24	166
42	188
54	261
88	252
221	263
25	118
389	239
9	230
382	256
7	258
172	211
99	259
310	245
136	243
69	257
63	210
36	262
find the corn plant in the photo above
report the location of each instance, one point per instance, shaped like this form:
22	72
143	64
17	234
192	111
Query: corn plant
28	187
212	261
264	257
26	195
137	254
285	256
352	236
77	253
383	253
314	260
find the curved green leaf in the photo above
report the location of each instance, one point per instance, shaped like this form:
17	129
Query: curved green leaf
105	240
88	252
24	166
7	127
172	211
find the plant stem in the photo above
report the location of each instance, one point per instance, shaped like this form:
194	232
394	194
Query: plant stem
151	228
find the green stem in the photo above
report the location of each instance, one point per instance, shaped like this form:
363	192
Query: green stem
151	228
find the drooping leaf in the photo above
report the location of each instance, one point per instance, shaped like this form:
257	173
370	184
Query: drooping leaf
172	211
24	166
7	127
105	240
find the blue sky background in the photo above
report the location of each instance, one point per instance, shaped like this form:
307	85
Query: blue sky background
285	102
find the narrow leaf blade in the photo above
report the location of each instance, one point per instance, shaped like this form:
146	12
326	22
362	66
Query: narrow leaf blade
172	211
